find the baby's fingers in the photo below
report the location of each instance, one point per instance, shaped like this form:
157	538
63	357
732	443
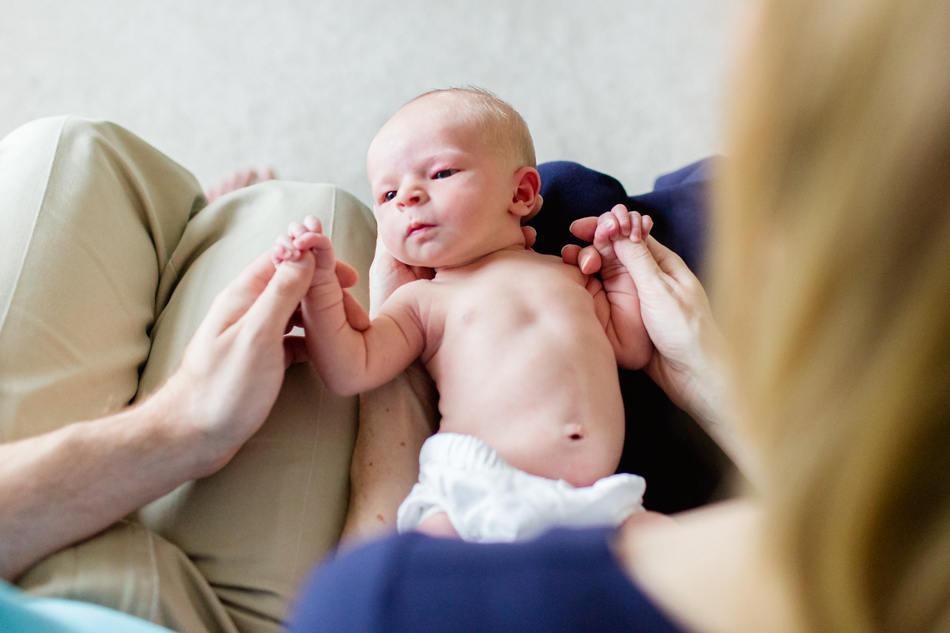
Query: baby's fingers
623	218
296	229
313	224
279	254
317	243
286	243
308	240
310	224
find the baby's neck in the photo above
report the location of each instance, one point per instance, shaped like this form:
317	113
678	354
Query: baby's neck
453	269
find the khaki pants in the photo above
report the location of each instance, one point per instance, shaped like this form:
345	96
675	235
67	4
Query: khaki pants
109	259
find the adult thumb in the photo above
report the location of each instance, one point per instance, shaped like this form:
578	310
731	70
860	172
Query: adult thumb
276	304
639	262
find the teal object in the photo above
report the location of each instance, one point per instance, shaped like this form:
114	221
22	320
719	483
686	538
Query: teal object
20	613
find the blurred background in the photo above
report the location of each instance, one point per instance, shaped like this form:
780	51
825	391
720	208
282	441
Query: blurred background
633	88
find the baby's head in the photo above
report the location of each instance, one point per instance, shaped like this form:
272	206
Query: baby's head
453	175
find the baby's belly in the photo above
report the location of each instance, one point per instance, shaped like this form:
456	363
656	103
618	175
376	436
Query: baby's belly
554	411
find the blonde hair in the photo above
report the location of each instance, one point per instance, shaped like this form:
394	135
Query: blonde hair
504	129
832	281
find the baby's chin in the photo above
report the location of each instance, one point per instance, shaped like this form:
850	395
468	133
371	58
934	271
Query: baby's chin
439	258
434	261
427	262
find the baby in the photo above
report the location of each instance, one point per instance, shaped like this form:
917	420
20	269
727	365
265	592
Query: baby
522	347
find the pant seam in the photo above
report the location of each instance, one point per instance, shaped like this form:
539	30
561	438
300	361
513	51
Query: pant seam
26	250
153	559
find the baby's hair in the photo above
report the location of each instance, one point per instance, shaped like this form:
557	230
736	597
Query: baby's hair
504	127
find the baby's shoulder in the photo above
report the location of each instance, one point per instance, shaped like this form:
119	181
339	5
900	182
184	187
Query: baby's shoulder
532	261
408	296
555	267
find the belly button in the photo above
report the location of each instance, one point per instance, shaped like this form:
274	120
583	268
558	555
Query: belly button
575	431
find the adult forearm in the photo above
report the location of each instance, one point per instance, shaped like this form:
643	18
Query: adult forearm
395	420
703	388
66	485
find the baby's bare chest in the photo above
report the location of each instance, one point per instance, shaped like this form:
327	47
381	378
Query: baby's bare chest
508	305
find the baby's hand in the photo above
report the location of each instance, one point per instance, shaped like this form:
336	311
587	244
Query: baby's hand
618	224
308	236
615	230
300	238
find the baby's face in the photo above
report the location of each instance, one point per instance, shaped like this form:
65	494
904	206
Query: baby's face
440	194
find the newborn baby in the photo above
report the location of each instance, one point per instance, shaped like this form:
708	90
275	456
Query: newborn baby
522	347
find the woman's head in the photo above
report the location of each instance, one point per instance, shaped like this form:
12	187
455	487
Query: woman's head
833	284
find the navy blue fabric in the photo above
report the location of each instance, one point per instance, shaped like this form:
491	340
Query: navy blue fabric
565	581
678	205
682	466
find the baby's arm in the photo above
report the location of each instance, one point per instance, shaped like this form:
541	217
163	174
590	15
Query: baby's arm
351	353
616	302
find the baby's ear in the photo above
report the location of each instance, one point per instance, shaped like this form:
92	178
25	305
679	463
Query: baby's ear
525	201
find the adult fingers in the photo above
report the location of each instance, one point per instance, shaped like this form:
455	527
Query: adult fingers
584	228
668	261
346	274
355	315
295	350
533	211
569	254
530	236
639	261
296	320
279	299
422	272
381	250
589	260
233	302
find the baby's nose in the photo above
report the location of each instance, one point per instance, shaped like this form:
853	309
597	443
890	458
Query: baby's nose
412	197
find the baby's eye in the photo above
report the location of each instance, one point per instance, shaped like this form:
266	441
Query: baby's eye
445	173
389	195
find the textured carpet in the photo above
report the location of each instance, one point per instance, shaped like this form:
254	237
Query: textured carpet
633	88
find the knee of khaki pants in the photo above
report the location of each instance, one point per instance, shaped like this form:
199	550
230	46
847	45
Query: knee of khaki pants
256	527
89	216
94	247
129	569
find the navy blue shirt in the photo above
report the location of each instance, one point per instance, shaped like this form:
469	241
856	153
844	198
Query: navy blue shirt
565	581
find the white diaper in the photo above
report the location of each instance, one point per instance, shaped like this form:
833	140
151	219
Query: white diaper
488	500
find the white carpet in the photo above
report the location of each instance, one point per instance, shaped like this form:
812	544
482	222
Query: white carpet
632	88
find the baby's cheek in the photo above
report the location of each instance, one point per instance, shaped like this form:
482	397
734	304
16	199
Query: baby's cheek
394	244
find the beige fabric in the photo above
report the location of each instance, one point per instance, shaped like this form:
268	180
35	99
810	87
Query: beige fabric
130	569
108	258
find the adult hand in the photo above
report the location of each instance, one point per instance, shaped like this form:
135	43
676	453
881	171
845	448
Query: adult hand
388	273
66	485
688	359
232	369
289	246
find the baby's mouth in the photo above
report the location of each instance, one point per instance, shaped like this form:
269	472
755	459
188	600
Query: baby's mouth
417	228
